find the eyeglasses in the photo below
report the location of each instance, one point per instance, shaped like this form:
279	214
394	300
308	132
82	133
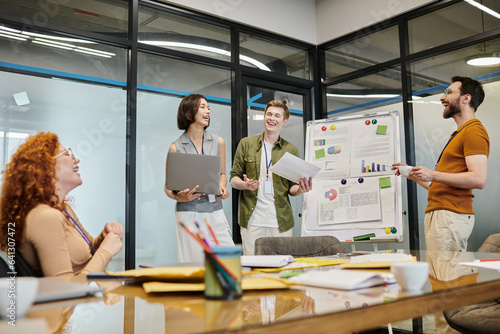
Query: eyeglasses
67	152
448	91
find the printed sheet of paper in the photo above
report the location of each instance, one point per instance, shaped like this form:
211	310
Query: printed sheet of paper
349	203
330	147
372	148
292	168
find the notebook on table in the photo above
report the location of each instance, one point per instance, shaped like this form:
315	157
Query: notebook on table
185	171
266	261
377	260
339	279
52	290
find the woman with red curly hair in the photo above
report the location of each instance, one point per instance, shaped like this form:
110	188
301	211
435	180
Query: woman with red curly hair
36	220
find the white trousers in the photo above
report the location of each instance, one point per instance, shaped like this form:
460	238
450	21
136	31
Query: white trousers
188	250
252	233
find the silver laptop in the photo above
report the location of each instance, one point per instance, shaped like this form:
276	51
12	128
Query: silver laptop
51	290
185	171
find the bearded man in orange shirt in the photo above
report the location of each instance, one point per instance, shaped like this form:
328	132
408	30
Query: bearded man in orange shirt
461	167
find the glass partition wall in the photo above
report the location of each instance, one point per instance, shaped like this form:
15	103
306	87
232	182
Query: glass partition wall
107	77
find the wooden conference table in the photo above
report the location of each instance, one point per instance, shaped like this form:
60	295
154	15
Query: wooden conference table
128	309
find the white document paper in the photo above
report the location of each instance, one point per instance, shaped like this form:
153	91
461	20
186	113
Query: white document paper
494	265
372	148
266	261
339	279
292	168
330	150
348	203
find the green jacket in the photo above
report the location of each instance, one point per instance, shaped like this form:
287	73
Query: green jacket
247	161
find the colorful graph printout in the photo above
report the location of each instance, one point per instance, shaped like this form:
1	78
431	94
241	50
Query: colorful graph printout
350	202
320	142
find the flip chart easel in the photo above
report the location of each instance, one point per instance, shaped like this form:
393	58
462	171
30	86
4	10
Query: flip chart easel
355	193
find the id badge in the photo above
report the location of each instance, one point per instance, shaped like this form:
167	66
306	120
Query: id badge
268	187
211	198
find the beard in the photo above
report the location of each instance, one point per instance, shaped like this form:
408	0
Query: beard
453	109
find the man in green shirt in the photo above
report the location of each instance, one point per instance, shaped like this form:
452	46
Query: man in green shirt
264	206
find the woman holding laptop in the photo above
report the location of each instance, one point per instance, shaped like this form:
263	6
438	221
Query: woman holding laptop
193	116
36	220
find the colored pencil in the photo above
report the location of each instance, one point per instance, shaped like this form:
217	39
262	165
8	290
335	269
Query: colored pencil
211	231
200	234
209	251
220	270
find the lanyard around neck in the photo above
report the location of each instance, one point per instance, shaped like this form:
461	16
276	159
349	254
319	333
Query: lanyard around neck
270	161
80	230
452	136
202	140
449	140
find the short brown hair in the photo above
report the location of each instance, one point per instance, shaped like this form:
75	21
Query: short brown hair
279	104
472	87
187	110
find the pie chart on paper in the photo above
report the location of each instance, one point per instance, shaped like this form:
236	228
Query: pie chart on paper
334	150
331	194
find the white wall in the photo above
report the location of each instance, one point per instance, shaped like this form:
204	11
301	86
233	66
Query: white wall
336	18
312	21
291	18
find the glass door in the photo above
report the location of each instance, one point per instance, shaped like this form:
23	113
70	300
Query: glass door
258	93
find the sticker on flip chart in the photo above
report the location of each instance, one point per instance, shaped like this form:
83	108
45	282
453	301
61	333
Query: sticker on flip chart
320	153
381	130
385	182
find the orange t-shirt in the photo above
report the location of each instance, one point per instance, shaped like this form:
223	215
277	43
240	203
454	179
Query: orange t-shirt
470	139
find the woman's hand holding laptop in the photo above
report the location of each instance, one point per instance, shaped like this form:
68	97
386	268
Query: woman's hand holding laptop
223	193
187	195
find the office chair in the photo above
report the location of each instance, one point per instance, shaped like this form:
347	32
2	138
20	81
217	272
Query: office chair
482	318
4	268
491	244
23	268
299	246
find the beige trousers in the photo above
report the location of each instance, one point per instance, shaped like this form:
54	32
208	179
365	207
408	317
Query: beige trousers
447	231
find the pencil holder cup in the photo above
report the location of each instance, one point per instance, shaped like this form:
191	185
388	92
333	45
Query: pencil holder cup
223	273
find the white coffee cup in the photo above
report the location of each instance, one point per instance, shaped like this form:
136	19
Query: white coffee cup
17	294
411	275
405	170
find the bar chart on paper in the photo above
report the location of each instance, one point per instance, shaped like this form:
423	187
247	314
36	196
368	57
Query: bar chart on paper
372	167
